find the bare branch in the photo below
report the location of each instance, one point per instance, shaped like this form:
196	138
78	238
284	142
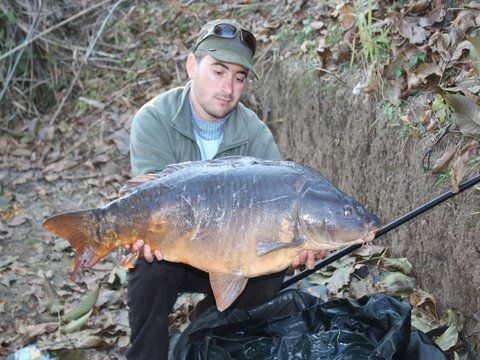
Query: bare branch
85	58
60	24
12	69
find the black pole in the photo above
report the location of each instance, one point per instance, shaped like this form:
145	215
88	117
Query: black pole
385	229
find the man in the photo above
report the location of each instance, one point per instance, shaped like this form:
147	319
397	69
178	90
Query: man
202	120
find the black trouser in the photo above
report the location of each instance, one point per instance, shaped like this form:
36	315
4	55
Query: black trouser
152	292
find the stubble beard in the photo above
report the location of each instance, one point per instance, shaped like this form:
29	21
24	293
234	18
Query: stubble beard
219	115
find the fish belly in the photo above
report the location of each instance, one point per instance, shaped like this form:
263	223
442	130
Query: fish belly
215	218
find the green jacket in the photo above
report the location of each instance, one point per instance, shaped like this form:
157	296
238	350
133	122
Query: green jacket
162	134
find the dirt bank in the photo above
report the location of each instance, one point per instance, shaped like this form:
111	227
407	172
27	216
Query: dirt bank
320	122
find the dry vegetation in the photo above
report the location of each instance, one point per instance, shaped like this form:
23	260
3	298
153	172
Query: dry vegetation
74	72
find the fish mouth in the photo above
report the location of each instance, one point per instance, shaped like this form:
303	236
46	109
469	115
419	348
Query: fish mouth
332	241
366	238
369	235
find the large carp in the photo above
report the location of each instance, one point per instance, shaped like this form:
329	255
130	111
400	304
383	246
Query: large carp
234	217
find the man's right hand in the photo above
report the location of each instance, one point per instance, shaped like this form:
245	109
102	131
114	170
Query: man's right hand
144	249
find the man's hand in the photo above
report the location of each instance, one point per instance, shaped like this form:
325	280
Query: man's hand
308	258
140	246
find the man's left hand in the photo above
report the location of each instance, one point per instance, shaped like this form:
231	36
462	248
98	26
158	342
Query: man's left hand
308	258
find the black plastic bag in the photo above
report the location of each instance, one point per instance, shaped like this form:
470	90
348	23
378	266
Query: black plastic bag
296	325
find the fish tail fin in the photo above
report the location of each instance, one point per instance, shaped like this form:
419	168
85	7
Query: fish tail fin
72	226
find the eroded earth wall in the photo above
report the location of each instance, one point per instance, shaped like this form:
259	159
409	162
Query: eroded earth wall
320	122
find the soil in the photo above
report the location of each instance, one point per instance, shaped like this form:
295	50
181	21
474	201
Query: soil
321	122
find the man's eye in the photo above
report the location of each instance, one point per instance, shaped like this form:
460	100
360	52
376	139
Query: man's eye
241	79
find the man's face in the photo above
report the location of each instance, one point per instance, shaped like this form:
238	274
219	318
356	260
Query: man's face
216	86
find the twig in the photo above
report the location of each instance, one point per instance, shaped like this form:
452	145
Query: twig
12	69
331	73
110	67
127	85
60	44
15	134
60	24
87	54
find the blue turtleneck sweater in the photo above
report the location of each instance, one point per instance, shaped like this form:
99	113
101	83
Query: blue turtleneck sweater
209	134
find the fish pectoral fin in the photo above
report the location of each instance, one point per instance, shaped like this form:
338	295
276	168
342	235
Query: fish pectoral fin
137	181
226	288
266	246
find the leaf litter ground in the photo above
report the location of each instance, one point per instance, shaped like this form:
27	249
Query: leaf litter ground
36	289
421	58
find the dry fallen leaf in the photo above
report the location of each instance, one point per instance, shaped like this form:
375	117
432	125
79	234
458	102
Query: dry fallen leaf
323	50
122	139
92	102
317	25
33	331
433	123
460	25
425	300
17	220
347	16
22	179
123	342
52	171
440	43
470	147
459	170
392	90
424	70
434	16
272	23
442	162
418	6
475	53
472	85
306	45
457	54
101	158
448	339
107	298
77	340
468	114
413	80
410	29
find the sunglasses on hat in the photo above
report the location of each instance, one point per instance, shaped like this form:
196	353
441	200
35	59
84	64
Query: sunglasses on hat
229	31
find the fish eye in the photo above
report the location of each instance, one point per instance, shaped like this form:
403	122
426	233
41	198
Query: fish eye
347	211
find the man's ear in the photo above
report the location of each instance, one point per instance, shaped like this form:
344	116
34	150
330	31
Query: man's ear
191	66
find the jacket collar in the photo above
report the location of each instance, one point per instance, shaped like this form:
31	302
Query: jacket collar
235	132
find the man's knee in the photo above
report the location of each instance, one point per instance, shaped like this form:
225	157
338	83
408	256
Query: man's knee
156	272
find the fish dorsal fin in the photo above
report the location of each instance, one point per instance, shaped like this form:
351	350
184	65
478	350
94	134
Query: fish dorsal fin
137	181
226	288
266	246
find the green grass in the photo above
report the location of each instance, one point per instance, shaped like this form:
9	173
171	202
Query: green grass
391	110
364	24
335	34
285	34
374	47
442	179
306	32
440	108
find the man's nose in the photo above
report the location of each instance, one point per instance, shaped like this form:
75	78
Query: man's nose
228	85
